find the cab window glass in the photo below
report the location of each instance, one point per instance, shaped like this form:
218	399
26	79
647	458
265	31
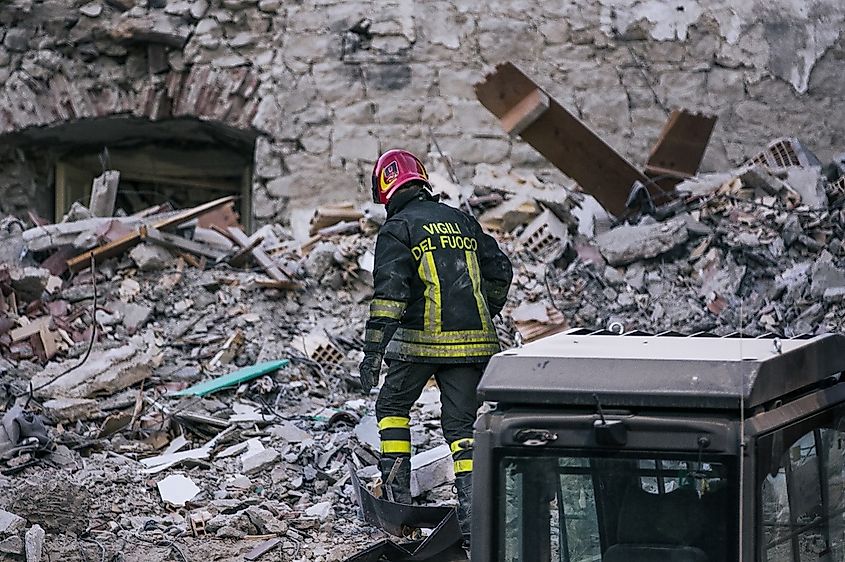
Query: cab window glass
803	503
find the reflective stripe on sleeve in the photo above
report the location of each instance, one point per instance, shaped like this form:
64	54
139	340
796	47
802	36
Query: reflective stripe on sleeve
383	308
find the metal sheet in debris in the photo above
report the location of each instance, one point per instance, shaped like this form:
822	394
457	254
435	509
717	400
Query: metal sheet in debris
442	545
681	145
562	138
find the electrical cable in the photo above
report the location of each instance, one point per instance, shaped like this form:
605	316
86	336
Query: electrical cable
32	390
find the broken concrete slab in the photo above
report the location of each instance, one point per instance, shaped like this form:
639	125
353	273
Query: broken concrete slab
34	543
10	523
105	371
809	183
70	409
149	257
431	469
320	510
825	276
177	489
29	282
134	315
627	244
261	460
104	193
290	433
12	545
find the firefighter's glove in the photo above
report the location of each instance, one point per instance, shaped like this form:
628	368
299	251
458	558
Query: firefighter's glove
369	370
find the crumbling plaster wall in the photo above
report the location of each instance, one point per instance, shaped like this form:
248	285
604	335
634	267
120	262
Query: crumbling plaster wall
330	83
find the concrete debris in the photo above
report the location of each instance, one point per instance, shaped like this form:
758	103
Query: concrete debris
12	545
627	244
267	435
177	489
149	257
253	463
10	523
34	543
431	469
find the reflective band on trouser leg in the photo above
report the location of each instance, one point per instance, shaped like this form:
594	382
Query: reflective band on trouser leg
462	454
395	433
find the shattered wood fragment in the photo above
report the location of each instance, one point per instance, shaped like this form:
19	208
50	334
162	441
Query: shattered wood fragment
240	258
229	350
117	247
104	193
265	261
562	138
29	328
176	242
329	216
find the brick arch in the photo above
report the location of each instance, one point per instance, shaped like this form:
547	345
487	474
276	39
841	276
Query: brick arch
225	96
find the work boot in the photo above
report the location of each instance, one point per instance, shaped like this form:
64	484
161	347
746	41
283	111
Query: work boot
401	485
463	484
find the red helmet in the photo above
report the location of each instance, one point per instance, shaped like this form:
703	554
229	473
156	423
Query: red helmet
394	169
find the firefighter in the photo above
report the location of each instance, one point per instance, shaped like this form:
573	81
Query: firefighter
439	281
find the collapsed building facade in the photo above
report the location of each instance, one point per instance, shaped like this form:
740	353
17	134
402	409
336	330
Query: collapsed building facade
198	384
287	104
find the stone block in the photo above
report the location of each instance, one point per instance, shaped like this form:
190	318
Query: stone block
149	257
70	409
354	143
12	545
10	523
475	150
259	461
627	244
34	543
29	282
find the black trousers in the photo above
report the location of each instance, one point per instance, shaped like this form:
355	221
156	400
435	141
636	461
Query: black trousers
402	387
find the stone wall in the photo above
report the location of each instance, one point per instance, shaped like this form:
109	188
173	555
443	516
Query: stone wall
328	84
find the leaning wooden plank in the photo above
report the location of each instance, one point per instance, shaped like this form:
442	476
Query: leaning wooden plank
176	242
233	378
260	255
562	138
119	246
680	147
524	113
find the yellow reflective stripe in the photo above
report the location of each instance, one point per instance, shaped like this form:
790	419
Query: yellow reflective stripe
475	277
452	336
452	351
463	466
373	336
433	303
461	444
391	422
397	447
383	308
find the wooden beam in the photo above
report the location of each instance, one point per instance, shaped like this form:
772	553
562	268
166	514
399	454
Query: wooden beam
176	242
260	255
561	137
525	112
120	245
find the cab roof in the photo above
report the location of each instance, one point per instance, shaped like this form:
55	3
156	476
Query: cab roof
671	370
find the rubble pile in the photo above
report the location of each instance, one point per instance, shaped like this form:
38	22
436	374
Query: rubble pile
174	388
754	250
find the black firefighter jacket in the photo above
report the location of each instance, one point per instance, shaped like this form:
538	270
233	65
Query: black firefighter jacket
438	282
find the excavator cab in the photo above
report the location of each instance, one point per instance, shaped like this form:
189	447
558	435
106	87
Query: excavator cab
671	448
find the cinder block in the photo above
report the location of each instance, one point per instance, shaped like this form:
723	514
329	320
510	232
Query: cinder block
546	236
